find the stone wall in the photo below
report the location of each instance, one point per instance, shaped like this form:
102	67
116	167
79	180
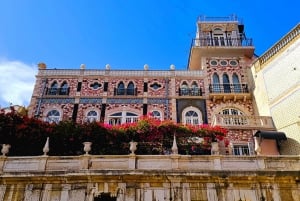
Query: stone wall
147	178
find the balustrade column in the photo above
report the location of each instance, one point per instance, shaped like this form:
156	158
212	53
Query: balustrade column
65	192
2	191
46	193
28	192
211	192
186	192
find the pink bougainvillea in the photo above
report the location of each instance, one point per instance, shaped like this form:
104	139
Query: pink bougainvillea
66	137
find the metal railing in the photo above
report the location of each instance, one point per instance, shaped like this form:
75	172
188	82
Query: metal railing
228	88
125	91
57	91
184	91
229	18
229	42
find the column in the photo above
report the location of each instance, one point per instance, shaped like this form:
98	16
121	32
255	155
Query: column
64	196
2	192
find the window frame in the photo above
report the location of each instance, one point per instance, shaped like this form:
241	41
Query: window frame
53	118
158	117
92	118
192	120
242	148
119	118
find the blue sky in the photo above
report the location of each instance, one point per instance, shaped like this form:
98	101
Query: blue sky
123	33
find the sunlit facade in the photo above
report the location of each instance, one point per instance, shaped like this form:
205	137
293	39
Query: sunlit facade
218	88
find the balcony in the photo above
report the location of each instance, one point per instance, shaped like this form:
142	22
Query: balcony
216	46
230	18
184	91
229	92
125	91
57	91
243	122
222	42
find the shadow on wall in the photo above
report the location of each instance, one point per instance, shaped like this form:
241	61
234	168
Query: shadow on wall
290	147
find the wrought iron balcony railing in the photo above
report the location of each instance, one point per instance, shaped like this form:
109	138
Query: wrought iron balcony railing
203	18
57	91
125	91
228	88
223	42
190	91
244	122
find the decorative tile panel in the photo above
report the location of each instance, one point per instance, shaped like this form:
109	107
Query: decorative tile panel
57	100
124	101
90	100
157	101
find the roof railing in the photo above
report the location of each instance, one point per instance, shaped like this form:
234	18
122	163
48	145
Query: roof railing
203	18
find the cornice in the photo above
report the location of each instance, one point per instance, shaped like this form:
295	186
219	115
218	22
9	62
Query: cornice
277	48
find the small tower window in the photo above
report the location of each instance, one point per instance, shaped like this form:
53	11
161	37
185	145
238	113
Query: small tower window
223	63
213	62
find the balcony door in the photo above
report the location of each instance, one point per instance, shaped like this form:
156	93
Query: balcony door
226	83
236	83
219	37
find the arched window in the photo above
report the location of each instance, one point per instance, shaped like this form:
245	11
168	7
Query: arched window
218	36
122	117
121	89
131	117
226	83
53	89
195	91
236	83
115	119
130	88
91	116
64	90
53	116
192	116
156	114
184	89
216	83
231	111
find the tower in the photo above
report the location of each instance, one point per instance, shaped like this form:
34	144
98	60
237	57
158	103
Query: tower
222	50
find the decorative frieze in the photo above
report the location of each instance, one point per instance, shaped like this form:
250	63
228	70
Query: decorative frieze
58	100
124	101
157	101
90	100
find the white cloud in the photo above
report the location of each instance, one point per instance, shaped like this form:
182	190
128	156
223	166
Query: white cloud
16	82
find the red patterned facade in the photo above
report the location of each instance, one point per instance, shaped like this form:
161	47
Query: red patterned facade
215	89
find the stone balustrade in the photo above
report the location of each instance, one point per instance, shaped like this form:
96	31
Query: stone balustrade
121	73
243	121
148	162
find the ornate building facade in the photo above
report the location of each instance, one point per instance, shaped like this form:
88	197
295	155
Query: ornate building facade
217	89
214	89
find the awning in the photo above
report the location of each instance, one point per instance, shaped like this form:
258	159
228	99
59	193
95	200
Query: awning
271	135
